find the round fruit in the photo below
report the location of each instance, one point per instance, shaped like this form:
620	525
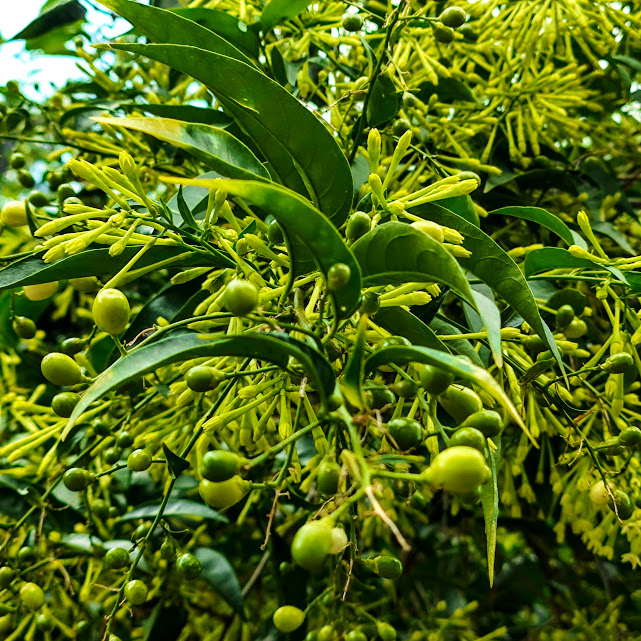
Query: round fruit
460	402
112	455
136	592
14	214
6	576
378	397
32	596
60	369
63	404
576	329
26	555
111	311
356	635
370	303
433	380
326	633
275	233
453	17
240	297
400	126
404	388
75	479
406	432
124	440
385	631
311	544
418	500
100	508
73	346
24	327
358	225
86	284
469	436
388	567
189	567
17	160
329	474
116	558
38	199
288	618
598	494
488	422
139	461
564	316
352	22
458	470
65	191
26	179
44	623
630	436
620	363
624	506
219	465
224	494
203	378
41	291
339	540
443	34
338	276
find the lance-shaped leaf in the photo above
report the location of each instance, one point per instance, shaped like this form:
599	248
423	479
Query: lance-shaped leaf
301	153
299	219
490	504
219	573
278	11
401	322
353	374
273	347
218	149
459	366
540	216
396	253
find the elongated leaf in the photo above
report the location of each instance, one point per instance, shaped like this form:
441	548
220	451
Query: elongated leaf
609	230
273	347
289	136
461	205
460	367
401	322
299	219
540	216
97	262
187	113
218	572
385	101
490	504
58	15
161	25
495	268
397	253
175	508
461	345
218	149
278	11
353	372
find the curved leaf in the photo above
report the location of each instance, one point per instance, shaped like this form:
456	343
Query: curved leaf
459	366
218	572
461	345
401	322
97	262
540	216
175	507
278	11
496	269
218	149
490	504
301	152
187	113
273	347
301	220
397	253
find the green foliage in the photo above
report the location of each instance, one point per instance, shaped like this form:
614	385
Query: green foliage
314	317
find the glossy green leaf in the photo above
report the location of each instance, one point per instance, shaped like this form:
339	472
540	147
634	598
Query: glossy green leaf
289	136
353	372
187	113
540	216
216	148
609	230
161	25
402	322
459	346
490	504
459	366
461	205
175	464
278	11
495	268
398	253
384	102
56	16
175	508
273	347
299	219
218	572
32	270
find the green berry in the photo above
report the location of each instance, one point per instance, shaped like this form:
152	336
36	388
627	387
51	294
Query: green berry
60	369
24	327
338	276
241	297
352	22
17	160
75	479
136	592
116	558
189	567
453	17
139	461
64	403
219	465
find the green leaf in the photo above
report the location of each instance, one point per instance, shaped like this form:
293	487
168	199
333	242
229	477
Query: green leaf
53	17
384	103
289	136
176	464
490	504
461	345
273	347
353	373
609	230
218	572
448	90
184	210
461	205
459	366
299	219
398	253
496	269
170	27
278	11
540	216
187	113
402	322
551	258
175	508
32	270
215	147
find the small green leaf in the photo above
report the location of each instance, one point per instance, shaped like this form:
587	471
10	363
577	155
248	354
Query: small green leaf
353	373
184	210
402	322
176	464
218	572
278	11
461	345
540	216
175	508
551	258
215	147
490	504
384	103
187	113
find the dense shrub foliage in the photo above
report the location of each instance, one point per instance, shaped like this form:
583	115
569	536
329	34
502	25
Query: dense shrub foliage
320	321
